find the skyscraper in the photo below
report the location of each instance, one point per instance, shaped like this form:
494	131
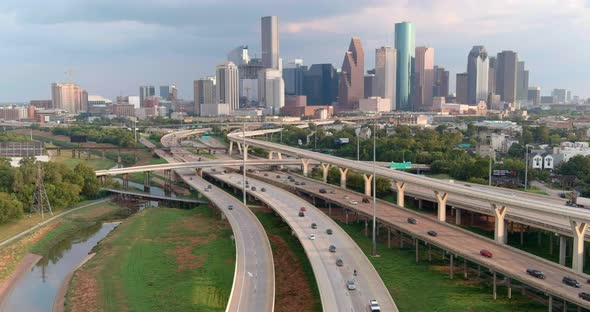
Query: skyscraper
424	76
441	82
270	41
462	82
492	76
405	43
320	84
271	89
477	75
239	55
385	64
534	95
69	97
522	82
204	93
144	92
168	92
369	84
293	77
506	75
227	89
352	86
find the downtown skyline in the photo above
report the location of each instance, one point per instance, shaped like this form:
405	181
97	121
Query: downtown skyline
112	54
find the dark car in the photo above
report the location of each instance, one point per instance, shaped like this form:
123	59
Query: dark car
536	273
366	200
411	221
339	262
485	253
278	176
289	177
266	174
571	282
432	233
230	207
209	186
332	248
314	226
585	296
297	183
263	189
301	214
323	191
253	188
302	183
329	231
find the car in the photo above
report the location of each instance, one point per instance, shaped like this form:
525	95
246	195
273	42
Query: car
253	188
263	189
312	237
411	220
485	253
297	183
353	202
278	176
301	214
374	305
350	285
209	186
302	183
329	231
571	282
302	209
289	177
213	169
339	262
536	273
314	226
191	178
240	182
323	191
366	200
346	197
332	248
432	233
332	192
266	174
230	207
585	296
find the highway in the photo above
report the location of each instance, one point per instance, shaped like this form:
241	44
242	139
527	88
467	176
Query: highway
331	279
506	260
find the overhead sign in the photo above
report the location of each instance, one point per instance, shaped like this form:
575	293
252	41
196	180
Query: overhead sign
402	165
78	139
504	173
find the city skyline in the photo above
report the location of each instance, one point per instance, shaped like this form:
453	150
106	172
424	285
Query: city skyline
113	53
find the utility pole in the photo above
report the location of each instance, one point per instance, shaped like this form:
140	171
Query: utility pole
526	166
374	245
244	152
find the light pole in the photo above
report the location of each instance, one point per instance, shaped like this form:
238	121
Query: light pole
244	151
374	245
526	166
490	174
357	131
282	131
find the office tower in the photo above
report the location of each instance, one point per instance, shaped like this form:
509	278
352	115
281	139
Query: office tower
69	97
227	85
144	92
293	77
568	96
270	41
169	92
320	85
477	75
204	93
239	55
385	74
369	84
506	75
249	81
560	95
534	95
424	77
522	82
271	89
405	37
352	85
462	82
492	76
440	82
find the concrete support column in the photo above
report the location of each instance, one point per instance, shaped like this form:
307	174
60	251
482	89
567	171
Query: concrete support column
239	147
494	288
368	179
270	153
500	227
464	268
388	237
146	181
305	166
366	227
417	243
126	181
564	306
562	249
457	216
509	285
325	170
231	148
579	229
279	155
343	173
199	172
550	244
401	240
246	151
550	304
442	205
401	187
451	266
429	253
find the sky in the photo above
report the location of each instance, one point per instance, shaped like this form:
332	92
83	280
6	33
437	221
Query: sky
114	46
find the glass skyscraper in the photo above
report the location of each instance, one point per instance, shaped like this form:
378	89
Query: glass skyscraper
405	44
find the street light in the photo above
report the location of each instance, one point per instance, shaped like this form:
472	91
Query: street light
374	249
526	166
244	151
357	131
490	174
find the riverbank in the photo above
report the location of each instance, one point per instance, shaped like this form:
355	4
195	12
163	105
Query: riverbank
159	259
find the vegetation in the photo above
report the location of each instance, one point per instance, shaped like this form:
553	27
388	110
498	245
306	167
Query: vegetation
99	134
159	259
578	166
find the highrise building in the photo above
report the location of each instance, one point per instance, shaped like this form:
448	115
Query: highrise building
560	95
169	92
441	82
69	97
385	63
506	75
204	93
271	89
462	82
405	38
239	55
249	81
293	77
478	75
369	84
320	85
522	82
424	77
352	86
534	95
270	41
492	76
144	92
227	88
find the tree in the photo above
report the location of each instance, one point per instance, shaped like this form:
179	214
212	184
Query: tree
10	207
90	184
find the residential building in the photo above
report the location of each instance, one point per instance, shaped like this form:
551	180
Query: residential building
385	64
227	85
320	84
123	110
270	41
144	92
441	82
424	78
204	93
405	38
46	104
352	86
13	113
506	75
462	85
477	75
69	97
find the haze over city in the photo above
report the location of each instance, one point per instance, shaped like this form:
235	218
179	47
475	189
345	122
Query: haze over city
113	46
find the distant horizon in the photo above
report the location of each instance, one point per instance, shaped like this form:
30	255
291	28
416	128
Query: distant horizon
113	47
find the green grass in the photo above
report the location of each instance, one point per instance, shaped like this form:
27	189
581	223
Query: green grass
94	163
164	260
535	190
425	287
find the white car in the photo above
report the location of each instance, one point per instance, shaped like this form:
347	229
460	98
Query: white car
312	237
374	305
350	285
353	202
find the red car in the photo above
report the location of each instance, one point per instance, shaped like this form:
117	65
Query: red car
302	209
485	253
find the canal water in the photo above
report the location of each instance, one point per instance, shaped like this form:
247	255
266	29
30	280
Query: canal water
36	290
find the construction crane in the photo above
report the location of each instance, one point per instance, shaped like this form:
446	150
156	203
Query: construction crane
69	73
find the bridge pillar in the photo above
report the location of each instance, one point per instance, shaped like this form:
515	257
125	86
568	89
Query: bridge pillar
270	155
368	179
146	181
579	229
457	216
73	153
401	187
305	166
325	170
167	181
494	289
231	148
119	162
509	285
500	224
562	249
451	266
246	151
126	181
199	172
442	205
343	173
88	154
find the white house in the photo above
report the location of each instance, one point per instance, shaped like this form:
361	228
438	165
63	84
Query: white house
548	162
537	162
